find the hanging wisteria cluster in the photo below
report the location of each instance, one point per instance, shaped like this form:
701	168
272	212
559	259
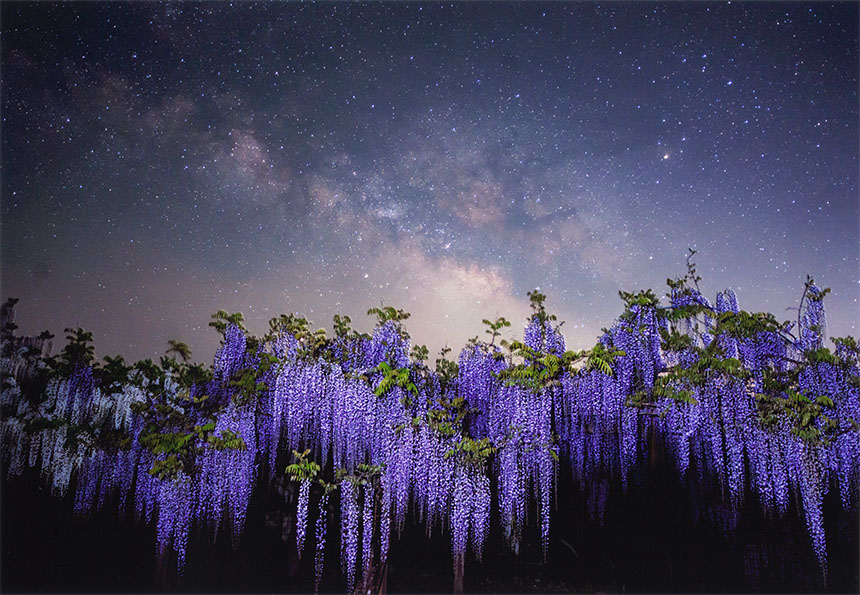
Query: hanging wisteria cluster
743	405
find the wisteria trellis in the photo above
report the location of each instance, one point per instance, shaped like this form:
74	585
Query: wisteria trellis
448	449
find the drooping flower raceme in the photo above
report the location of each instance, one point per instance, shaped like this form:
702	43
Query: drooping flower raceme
302	516
413	434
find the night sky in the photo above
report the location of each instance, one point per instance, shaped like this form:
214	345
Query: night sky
161	161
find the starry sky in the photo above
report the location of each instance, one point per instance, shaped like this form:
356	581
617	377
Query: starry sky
161	161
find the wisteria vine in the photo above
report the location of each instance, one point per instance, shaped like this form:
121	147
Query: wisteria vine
738	399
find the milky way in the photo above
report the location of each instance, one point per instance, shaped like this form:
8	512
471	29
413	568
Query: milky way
164	160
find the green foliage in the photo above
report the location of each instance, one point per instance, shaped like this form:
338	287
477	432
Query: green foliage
812	419
341	325
303	468
79	351
536	301
847	343
167	442
821	356
601	358
175	442
179	348
644	298
292	324
688	312
392	377
687	285
167	468
222	319
385	313
673	341
663	388
227	440
819	297
114	374
248	381
690	278
149	371
190	375
313	343
169	431
472	452
746	325
447	417
709	364
540	370
248	387
363	474
495	327
420	353
446	369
